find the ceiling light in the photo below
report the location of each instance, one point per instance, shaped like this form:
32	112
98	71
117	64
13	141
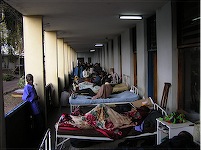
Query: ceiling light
98	45
92	50
196	19
130	17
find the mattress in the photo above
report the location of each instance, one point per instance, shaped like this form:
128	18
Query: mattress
122	97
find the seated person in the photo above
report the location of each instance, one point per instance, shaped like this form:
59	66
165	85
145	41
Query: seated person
85	73
96	79
105	90
103	76
114	76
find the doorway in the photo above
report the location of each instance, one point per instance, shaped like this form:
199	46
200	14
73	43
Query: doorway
152	74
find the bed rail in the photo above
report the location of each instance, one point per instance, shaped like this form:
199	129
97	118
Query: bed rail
134	89
66	137
157	107
46	142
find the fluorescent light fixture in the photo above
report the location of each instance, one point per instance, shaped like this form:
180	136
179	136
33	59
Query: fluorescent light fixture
98	45
196	19
92	50
130	17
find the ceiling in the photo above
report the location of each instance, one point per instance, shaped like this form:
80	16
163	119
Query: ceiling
83	23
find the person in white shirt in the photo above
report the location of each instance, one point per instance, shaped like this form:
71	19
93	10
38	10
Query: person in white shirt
85	73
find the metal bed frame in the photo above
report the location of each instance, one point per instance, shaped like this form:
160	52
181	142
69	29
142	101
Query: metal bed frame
65	137
133	89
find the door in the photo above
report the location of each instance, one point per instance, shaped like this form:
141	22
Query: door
152	74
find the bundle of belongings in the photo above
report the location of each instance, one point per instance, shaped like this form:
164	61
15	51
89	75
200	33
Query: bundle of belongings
105	120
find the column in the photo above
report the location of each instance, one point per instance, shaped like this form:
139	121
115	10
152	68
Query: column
60	44
66	63
51	63
34	54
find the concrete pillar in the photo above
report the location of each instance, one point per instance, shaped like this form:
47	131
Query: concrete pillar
51	63
71	59
66	63
2	118
60	45
34	54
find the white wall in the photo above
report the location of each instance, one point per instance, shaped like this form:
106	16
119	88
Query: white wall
103	58
110	54
141	58
116	52
86	56
127	56
106	67
165	56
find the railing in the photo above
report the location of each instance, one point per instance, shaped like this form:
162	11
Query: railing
46	142
18	127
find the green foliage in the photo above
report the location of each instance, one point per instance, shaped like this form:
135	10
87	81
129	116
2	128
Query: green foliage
8	77
12	21
175	117
21	82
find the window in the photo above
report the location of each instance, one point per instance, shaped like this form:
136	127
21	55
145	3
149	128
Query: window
188	32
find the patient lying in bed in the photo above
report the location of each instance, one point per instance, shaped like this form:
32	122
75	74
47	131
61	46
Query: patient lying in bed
105	90
105	120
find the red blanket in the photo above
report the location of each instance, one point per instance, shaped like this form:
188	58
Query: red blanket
105	120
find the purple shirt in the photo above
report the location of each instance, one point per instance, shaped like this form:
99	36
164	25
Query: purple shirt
30	95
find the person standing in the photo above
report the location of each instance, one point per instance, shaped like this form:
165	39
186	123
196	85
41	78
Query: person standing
30	95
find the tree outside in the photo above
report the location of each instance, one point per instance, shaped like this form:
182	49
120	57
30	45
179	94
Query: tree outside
11	41
11	46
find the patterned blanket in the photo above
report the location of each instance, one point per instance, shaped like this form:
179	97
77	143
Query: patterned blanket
105	120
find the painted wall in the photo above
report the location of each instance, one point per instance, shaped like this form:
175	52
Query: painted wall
96	56
110	54
127	56
86	56
106	67
116	52
141	58
103	58
165	63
